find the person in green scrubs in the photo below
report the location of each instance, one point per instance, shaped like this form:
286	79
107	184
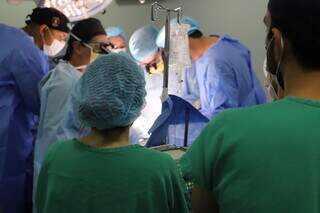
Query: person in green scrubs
267	158
102	172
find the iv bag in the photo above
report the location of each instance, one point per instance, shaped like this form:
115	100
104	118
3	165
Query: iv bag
179	51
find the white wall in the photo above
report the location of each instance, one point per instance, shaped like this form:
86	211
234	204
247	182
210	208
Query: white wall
241	19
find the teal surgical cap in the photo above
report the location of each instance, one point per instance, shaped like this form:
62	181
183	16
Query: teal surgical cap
115	32
111	92
194	25
142	43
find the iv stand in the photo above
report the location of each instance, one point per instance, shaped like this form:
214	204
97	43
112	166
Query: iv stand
156	7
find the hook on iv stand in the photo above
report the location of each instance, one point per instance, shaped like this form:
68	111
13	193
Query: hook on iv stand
155	8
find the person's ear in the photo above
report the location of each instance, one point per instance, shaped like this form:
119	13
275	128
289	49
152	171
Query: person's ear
278	42
77	47
42	30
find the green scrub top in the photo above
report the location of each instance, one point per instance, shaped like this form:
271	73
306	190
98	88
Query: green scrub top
76	178
261	159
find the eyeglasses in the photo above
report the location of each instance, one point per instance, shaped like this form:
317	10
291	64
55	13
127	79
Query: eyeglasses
101	47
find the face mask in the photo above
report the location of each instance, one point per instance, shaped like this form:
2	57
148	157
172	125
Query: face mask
156	68
119	50
272	92
54	48
93	56
274	67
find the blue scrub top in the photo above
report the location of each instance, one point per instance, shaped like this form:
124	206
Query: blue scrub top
58	119
22	66
223	78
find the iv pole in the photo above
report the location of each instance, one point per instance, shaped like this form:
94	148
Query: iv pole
154	9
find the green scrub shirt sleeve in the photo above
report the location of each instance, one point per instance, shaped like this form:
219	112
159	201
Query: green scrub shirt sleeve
179	194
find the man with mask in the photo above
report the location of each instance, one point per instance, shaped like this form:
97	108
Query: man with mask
22	65
144	50
238	166
58	119
221	76
117	37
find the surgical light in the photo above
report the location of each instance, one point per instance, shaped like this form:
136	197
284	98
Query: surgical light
76	9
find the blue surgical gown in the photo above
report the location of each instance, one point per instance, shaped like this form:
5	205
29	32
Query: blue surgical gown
22	66
58	120
223	78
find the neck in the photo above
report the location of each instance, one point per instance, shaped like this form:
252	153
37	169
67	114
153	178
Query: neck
28	30
108	139
77	62
304	84
207	42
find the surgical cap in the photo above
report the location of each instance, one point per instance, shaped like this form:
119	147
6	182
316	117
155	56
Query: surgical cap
116	31
111	92
194	25
142	43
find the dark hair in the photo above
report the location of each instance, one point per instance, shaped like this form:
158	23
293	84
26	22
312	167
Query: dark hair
195	34
85	30
69	51
298	21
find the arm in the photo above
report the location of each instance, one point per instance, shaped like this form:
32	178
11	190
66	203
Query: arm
27	68
190	87
203	201
220	88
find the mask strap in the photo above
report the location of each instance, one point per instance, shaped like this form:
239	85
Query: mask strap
278	73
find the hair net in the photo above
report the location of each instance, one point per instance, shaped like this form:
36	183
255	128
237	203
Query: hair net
116	31
111	92
194	25
142	43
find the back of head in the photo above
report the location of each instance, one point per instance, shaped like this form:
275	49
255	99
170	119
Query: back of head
112	92
298	21
142	43
84	31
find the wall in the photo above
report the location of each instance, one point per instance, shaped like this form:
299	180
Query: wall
241	19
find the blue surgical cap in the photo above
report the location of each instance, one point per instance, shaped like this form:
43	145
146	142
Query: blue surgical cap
194	25
111	92
116	31
142	43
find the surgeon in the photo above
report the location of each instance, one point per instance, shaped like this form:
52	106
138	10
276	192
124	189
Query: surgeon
102	172
145	51
22	65
221	76
117	37
57	119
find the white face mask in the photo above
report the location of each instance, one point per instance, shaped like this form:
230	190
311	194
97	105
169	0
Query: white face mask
268	82
54	48
119	50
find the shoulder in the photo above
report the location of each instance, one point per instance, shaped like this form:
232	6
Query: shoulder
162	160
245	118
228	48
60	77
